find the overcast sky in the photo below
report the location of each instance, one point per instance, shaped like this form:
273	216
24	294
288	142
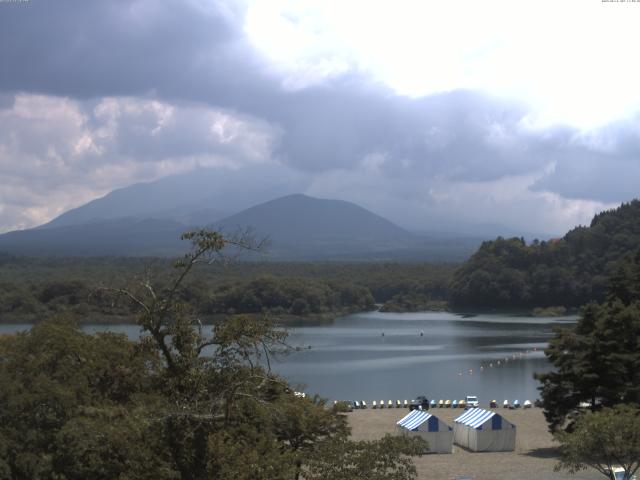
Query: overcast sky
524	113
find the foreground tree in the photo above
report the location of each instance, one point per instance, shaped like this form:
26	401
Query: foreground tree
597	361
177	404
385	459
70	401
603	440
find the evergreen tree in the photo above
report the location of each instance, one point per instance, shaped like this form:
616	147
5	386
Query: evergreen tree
597	361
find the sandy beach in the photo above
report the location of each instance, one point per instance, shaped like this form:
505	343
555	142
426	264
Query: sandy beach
534	457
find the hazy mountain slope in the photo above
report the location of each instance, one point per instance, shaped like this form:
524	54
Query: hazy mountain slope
298	225
129	237
185	197
569	271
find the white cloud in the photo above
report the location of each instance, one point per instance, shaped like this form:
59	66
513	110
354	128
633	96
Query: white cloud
57	153
572	61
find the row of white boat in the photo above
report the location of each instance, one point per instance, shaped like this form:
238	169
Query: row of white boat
433	404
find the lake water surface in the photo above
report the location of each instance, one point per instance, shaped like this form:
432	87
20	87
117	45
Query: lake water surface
374	355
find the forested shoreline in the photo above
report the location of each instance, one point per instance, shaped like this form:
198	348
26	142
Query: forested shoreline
32	289
565	272
546	277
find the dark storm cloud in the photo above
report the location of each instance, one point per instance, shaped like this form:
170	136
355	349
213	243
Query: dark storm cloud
589	175
171	50
190	53
85	49
603	164
180	52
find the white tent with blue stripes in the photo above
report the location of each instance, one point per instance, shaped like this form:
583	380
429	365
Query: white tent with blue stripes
438	434
484	431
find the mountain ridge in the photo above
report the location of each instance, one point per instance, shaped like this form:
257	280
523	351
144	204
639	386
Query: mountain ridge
300	227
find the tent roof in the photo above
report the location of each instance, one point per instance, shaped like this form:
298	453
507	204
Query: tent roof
475	417
414	419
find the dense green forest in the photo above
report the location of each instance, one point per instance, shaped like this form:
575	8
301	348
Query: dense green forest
34	288
502	274
571	271
80	406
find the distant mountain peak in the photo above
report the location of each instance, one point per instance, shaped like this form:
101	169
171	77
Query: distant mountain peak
147	219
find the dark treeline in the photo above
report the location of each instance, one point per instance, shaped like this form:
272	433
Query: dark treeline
570	271
296	296
502	274
31	289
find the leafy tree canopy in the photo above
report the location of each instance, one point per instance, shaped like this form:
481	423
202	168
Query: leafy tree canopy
178	404
603	440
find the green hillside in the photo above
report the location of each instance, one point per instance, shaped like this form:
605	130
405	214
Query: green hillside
571	271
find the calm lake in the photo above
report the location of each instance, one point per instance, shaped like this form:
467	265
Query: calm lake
374	356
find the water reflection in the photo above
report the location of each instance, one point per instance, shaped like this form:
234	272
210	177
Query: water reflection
443	355
397	356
